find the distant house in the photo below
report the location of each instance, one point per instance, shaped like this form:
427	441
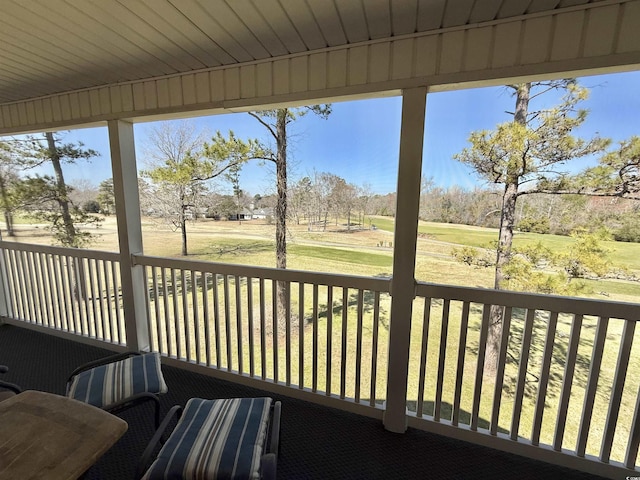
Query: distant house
262	213
243	215
200	212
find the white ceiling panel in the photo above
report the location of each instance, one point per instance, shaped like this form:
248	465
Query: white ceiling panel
570	3
55	46
430	13
203	17
512	8
26	43
257	24
83	18
188	35
378	14
485	9
542	5
158	27
302	17
281	24
404	17
27	33
236	32
457	13
326	15
353	20
132	28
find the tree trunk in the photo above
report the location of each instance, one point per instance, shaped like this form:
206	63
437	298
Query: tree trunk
79	292
238	209
8	215
8	220
62	198
503	256
505	240
281	205
183	231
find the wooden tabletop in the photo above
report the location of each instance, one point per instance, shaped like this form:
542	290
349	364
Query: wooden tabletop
46	436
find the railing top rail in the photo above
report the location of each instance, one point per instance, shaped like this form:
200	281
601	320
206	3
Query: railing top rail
551	303
66	251
332	279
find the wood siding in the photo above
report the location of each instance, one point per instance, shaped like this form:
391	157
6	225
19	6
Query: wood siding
588	38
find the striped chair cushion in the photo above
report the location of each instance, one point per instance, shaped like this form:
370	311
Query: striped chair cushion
105	385
222	439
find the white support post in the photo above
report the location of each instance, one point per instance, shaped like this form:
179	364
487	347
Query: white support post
4	286
404	256
125	187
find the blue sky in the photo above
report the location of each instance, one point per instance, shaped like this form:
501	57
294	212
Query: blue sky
360	140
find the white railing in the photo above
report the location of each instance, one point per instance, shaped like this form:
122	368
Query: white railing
566	376
565	381
67	289
325	337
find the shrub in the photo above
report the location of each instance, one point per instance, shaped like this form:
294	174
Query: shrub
91	206
534	225
628	232
472	256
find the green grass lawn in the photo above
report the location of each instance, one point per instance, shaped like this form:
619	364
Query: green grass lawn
23	220
623	254
332	254
442	238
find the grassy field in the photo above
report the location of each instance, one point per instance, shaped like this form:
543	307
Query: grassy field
355	251
438	238
623	254
369	253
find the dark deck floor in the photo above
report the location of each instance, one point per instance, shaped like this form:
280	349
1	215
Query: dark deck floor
317	442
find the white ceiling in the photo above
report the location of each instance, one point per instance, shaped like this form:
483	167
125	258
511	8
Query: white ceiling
54	46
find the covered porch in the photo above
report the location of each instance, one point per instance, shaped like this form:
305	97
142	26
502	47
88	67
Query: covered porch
563	362
70	66
317	441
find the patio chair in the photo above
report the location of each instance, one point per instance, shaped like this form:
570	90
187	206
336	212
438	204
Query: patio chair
118	382
7	389
235	438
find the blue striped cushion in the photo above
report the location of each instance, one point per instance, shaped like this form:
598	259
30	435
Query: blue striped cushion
222	439
108	384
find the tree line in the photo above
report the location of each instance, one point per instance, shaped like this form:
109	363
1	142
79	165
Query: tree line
536	213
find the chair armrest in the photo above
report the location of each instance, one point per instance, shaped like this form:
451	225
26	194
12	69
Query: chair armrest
96	363
268	465
4	369
145	459
274	444
138	397
10	386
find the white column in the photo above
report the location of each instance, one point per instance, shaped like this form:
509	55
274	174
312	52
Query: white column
4	287
404	255
125	186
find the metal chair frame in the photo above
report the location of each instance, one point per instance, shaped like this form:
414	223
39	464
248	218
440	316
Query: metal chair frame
11	387
127	402
268	461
